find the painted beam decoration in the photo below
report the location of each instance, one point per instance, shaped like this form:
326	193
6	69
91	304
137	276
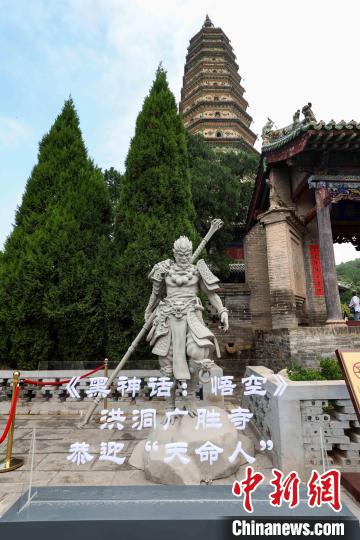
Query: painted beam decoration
350	365
341	188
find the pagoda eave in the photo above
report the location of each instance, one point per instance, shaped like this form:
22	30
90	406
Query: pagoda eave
215	123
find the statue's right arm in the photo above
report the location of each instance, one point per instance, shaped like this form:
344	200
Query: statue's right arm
157	276
154	299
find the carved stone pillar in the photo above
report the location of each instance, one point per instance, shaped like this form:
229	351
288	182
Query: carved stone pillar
327	257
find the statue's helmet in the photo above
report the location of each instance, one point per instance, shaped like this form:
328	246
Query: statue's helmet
182	244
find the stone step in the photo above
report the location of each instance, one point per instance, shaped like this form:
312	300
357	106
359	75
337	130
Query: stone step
327	440
312	410
354	437
318	461
314	403
352	446
342	402
315	446
345	409
316	417
342	458
327	432
343	416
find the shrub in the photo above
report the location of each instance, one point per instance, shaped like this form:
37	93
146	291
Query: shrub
329	371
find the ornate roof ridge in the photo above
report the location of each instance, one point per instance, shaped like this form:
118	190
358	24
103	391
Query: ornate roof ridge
275	138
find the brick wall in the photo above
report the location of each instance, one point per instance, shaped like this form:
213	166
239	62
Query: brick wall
257	278
276	348
282	298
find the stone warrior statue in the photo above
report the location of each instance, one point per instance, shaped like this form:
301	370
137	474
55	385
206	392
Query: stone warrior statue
178	334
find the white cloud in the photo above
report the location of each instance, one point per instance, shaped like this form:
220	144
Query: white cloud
287	55
345	252
12	131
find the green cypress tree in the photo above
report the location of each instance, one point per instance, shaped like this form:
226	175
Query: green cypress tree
154	208
53	269
222	184
113	181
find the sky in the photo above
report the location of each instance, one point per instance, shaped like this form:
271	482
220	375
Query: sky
104	53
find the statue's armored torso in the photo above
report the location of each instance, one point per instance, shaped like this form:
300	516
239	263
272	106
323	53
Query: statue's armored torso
182	283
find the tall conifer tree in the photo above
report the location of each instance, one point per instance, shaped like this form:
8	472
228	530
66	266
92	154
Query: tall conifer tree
52	272
222	185
154	208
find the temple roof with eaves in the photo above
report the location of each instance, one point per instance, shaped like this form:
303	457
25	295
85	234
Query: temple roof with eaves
312	135
311	146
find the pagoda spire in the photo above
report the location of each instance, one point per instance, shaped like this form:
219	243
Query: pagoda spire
212	97
208	23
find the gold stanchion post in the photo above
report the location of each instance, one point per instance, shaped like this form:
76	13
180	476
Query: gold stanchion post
106	374
12	463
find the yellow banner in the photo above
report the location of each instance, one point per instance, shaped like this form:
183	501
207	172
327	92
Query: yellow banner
350	362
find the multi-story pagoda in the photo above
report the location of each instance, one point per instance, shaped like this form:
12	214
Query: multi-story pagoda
212	101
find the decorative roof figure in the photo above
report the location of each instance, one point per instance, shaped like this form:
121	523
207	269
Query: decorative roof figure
308	114
296	117
266	130
207	22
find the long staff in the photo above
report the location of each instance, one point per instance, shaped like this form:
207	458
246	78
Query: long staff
216	224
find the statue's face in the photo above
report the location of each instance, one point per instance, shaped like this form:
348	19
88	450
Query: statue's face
183	257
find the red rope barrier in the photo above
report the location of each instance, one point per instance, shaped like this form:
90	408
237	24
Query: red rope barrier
59	383
11	416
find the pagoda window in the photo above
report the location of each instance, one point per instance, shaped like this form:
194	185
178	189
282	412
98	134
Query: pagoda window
216	98
218	134
217	113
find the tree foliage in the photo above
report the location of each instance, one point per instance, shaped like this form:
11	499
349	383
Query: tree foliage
113	180
222	184
154	208
53	268
349	273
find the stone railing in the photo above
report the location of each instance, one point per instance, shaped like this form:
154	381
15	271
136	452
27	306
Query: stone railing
31	393
34	394
308	416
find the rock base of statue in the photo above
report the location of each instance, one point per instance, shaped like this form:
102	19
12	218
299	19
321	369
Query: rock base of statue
200	462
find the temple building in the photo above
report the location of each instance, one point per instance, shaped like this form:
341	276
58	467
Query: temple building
283	295
212	97
306	198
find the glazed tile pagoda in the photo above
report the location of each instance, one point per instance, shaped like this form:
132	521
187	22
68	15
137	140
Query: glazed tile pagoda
212	97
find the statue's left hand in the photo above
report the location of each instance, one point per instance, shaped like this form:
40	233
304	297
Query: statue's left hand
224	319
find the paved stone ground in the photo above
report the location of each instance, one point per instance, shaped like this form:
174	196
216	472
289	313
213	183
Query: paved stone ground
55	428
